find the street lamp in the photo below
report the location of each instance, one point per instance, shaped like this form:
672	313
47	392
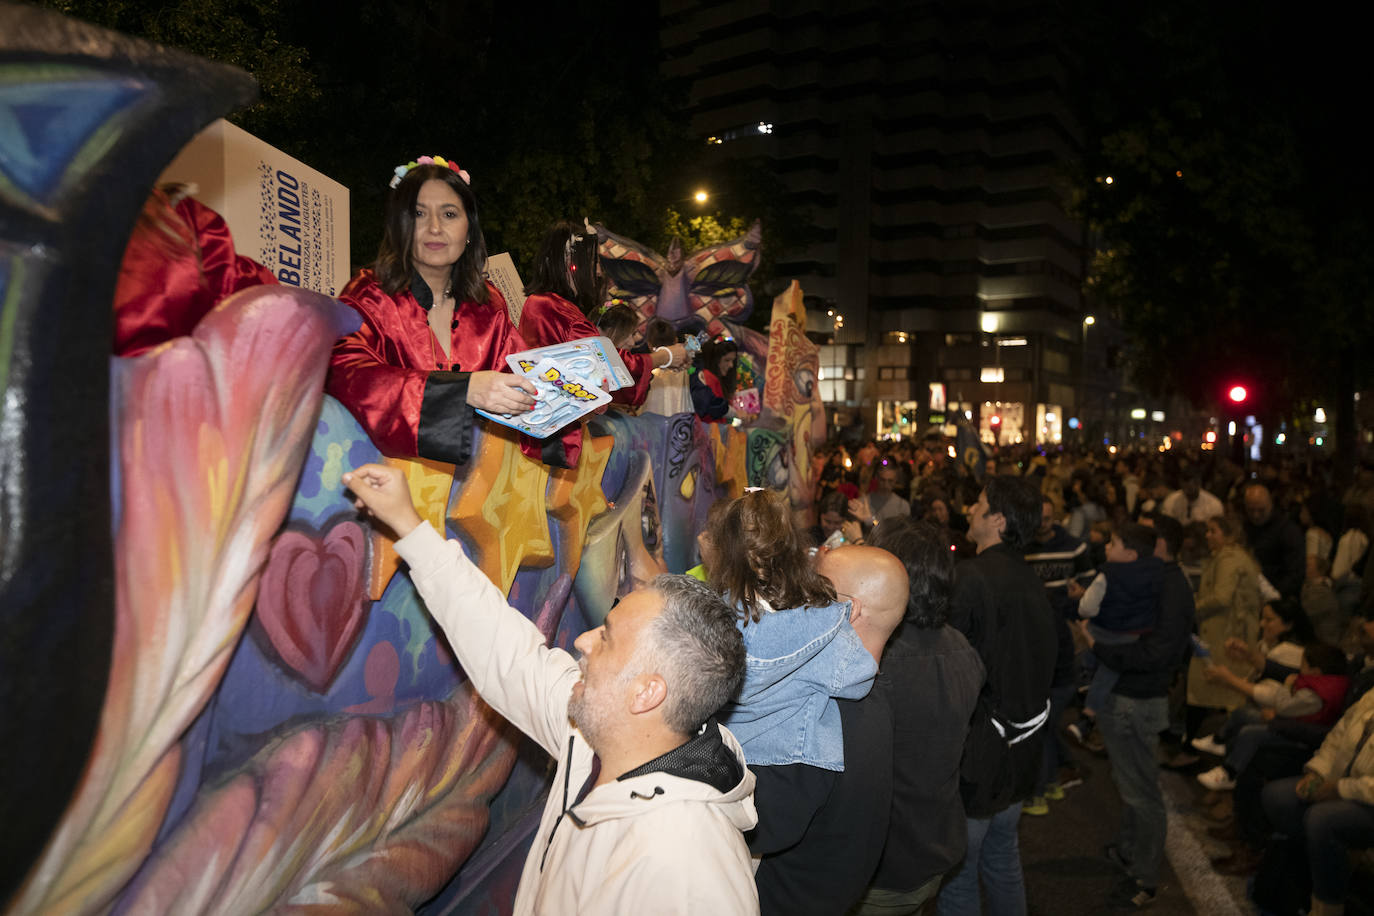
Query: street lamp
701	196
1088	321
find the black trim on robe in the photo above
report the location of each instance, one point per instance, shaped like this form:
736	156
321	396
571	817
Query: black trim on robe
446	419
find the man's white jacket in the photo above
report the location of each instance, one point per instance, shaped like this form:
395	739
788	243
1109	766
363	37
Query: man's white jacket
657	842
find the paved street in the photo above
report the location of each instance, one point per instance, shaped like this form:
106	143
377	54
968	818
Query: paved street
1066	874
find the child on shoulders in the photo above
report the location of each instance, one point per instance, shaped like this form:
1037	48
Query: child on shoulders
1121	605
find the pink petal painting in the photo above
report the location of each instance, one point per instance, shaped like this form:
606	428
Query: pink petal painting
209	445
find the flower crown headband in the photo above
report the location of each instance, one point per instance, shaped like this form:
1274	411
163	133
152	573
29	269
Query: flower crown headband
401	170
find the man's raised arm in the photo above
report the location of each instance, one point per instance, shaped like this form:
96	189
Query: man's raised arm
503	652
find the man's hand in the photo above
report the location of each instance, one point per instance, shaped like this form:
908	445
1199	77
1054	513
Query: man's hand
1087	633
382	492
501	392
860	509
851	531
1314	788
1075	590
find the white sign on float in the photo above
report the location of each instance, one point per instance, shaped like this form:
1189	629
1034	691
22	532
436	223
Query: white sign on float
501	273
283	214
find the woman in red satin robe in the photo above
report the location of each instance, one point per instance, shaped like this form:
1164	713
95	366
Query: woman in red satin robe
563	289
435	334
179	263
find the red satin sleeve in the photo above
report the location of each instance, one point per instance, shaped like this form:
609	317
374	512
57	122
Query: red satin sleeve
226	271
547	319
371	371
179	263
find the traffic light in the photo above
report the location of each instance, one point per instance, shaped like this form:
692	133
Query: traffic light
995	422
1237	394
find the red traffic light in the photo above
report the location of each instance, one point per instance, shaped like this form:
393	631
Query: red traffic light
1237	394
994	420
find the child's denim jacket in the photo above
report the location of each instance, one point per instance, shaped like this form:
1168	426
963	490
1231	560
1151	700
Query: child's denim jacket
798	661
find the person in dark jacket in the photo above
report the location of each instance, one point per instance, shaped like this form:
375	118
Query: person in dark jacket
713	380
1135	713
934	677
1275	540
999	605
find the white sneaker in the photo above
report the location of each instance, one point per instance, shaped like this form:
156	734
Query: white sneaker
1209	745
1217	779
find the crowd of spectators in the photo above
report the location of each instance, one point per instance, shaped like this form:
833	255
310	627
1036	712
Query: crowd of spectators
1246	648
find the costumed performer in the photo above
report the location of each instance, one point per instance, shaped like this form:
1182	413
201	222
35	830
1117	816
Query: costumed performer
179	263
563	290
434	331
713	382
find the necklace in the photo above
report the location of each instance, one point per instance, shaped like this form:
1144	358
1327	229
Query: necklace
448	291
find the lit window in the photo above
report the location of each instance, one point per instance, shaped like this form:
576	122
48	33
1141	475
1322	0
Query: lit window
992	374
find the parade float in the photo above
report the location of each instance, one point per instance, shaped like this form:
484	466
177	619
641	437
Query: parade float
222	693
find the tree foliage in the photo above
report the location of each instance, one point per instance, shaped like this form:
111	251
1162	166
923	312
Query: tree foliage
244	33
1216	242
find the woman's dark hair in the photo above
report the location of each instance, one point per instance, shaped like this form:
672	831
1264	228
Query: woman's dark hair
618	323
395	259
1296	627
764	558
924	551
712	352
659	332
566	266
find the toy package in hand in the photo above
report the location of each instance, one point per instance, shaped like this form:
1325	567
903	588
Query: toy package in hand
593	359
563	398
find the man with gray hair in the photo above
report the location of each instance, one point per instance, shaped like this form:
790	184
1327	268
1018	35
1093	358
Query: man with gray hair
651	797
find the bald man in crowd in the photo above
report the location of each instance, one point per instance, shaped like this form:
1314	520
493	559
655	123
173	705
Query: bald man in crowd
822	866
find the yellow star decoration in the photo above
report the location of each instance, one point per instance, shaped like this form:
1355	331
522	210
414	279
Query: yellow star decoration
575	497
430	483
501	508
730	445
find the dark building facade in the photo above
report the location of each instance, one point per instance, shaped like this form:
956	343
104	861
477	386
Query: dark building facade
931	142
